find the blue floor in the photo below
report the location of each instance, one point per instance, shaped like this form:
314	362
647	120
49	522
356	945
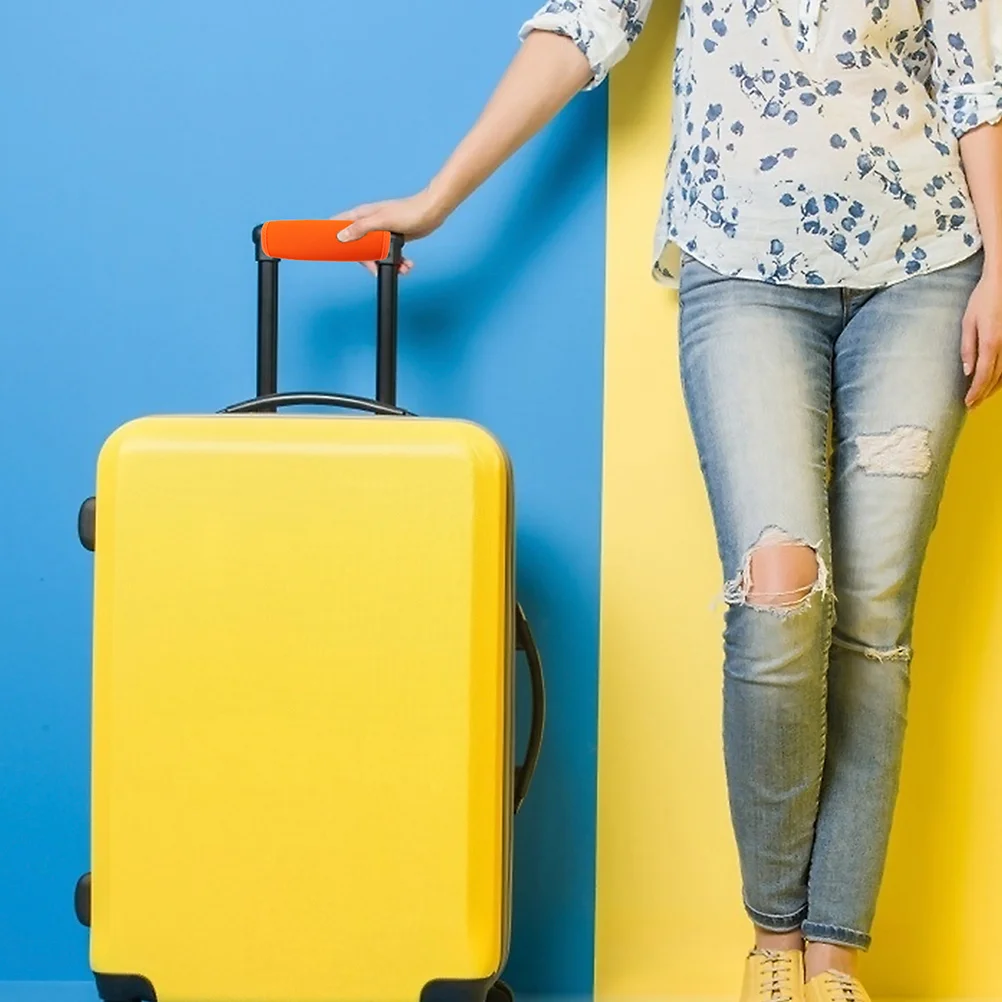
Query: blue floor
47	991
83	991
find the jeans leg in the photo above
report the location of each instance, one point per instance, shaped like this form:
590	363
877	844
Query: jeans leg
898	406
756	370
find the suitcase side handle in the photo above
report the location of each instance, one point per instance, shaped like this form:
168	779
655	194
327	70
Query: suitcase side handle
525	642
316	240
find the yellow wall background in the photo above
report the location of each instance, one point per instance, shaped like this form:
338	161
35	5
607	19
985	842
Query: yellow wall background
669	920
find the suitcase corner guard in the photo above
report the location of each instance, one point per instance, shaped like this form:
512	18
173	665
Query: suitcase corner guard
480	990
125	988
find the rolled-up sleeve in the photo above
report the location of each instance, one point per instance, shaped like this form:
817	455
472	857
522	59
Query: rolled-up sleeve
966	37
604	30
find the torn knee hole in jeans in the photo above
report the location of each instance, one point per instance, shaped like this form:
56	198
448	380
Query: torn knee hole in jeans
743	589
905	451
901	654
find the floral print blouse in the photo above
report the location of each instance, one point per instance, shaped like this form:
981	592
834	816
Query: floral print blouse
814	142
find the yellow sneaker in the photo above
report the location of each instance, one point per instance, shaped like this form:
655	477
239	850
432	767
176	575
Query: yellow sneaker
834	986
774	976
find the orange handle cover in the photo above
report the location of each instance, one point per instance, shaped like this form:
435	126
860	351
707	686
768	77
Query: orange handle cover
316	240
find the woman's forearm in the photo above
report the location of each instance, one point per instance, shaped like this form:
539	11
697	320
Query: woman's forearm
547	71
981	152
545	74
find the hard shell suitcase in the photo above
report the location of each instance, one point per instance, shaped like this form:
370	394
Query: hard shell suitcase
304	649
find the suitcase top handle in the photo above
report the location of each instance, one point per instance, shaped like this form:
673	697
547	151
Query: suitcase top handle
317	240
270	403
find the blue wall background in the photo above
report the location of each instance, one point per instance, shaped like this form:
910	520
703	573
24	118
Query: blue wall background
142	142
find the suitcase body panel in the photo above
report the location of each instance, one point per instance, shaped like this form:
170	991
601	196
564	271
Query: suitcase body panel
303	671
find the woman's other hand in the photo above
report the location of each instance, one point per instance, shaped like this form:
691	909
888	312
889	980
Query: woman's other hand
981	347
981	351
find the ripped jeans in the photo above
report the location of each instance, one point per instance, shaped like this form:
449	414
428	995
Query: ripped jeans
823	417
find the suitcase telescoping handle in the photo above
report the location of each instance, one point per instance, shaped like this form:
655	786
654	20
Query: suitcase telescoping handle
317	240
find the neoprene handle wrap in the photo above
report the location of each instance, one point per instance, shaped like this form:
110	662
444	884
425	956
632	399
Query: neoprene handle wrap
316	240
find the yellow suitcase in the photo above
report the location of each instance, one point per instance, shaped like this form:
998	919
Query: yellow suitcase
304	648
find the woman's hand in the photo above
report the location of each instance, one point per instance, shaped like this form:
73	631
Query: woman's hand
981	152
981	346
413	217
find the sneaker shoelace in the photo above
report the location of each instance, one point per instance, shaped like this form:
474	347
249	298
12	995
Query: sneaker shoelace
776	968
847	984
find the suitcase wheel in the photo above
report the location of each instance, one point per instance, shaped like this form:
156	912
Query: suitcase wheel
500	992
81	900
85	524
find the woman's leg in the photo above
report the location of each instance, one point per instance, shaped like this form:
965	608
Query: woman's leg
898	409
756	367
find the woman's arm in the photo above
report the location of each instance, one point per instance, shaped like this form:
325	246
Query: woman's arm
569	45
548	70
981	152
966	81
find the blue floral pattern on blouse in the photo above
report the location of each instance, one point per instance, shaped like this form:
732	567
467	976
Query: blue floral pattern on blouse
814	142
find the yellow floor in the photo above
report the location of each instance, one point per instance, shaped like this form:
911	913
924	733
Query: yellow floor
669	922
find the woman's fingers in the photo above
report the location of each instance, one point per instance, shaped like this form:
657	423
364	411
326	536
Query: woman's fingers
358	228
406	266
987	369
362	219
996	379
969	343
